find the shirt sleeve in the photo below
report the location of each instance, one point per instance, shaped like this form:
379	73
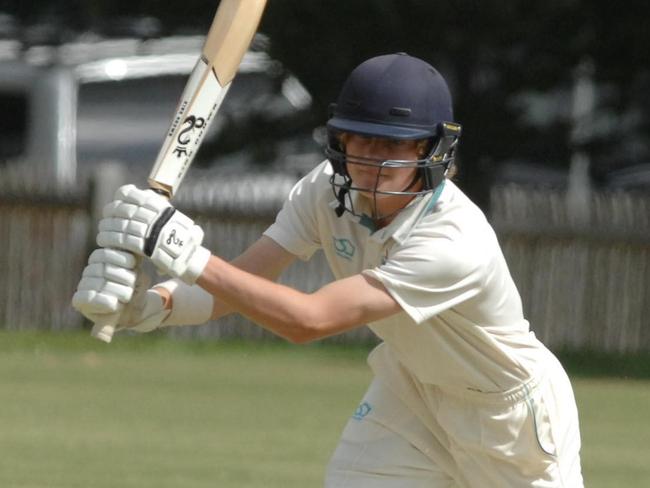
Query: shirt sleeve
427	277
295	227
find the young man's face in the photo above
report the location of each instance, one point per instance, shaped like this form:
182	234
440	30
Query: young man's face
371	174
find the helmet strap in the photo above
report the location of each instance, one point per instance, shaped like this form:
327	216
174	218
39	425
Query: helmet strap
340	196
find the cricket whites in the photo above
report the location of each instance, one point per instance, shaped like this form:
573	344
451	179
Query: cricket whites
230	35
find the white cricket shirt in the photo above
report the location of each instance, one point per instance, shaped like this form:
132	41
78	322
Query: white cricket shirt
462	323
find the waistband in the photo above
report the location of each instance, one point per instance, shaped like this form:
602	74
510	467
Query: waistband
506	397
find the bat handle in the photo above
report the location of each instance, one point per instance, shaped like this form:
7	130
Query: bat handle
105	328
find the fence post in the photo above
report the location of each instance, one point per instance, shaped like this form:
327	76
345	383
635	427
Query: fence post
105	179
52	145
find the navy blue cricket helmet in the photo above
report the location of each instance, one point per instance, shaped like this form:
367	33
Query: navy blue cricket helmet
394	96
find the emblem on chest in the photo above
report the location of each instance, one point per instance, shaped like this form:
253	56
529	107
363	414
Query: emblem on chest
344	248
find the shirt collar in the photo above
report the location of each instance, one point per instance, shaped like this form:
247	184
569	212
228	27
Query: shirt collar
404	222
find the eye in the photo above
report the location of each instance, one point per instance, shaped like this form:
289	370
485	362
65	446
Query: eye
391	144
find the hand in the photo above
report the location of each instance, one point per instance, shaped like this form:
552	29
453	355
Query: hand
113	286
144	223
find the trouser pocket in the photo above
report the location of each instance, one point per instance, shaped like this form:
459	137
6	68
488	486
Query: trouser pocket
509	442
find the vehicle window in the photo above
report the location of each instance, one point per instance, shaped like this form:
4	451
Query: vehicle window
13	125
125	120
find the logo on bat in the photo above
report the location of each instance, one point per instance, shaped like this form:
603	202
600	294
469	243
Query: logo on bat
184	137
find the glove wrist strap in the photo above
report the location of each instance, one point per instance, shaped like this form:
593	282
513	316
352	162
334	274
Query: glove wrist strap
196	265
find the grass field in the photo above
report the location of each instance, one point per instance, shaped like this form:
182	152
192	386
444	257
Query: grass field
149	412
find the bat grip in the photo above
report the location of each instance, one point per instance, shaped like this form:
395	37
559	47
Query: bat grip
104	329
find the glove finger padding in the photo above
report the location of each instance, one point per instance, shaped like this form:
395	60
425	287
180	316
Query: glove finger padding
130	219
143	313
105	287
106	283
124	225
148	199
110	272
110	235
143	222
110	256
91	301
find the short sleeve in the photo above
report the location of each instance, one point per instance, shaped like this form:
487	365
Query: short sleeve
295	227
427	277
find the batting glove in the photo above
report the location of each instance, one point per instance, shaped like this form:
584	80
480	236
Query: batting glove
113	286
144	223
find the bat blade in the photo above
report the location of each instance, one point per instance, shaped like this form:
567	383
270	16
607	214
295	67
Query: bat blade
200	101
230	35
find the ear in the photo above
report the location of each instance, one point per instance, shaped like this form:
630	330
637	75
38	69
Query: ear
423	147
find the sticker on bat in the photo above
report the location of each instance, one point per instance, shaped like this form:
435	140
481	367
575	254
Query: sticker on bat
191	123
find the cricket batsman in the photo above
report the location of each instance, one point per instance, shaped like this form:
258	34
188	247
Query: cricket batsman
464	395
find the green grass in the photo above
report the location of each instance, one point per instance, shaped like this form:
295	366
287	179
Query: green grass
151	412
615	423
157	413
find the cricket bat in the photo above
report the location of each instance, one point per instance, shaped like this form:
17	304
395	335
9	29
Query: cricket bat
228	39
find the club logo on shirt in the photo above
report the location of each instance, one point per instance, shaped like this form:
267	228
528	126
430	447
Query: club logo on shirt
344	248
362	411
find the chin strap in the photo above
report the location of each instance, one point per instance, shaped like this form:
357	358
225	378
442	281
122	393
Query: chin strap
340	210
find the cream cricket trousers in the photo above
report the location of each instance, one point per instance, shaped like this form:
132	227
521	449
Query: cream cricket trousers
408	435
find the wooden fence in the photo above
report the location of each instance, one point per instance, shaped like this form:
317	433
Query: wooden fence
584	279
584	283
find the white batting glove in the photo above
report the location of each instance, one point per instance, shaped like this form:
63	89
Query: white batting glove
144	223
112	286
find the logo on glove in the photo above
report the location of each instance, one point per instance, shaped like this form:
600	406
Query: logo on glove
173	240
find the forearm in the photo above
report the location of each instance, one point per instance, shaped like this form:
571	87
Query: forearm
263	258
286	312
